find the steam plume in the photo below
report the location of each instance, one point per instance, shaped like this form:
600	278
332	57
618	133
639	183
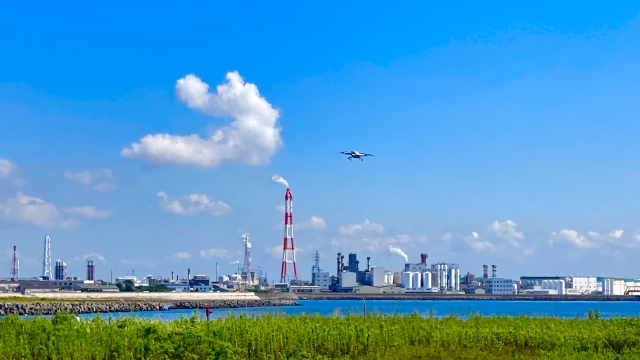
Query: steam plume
280	180
399	251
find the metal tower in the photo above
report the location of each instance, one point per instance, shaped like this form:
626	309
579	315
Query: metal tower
46	263
15	269
288	247
315	269
246	266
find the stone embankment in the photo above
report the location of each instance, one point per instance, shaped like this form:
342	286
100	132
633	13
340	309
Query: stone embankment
201	304
444	297
50	308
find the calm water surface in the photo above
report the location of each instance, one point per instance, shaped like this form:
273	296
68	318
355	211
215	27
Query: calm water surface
459	308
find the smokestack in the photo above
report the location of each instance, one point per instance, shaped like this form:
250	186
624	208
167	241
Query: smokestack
423	258
188	275
172	276
368	259
494	270
485	271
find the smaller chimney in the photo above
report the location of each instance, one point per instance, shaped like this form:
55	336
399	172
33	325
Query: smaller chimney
485	271
368	259
494	270
172	276
423	258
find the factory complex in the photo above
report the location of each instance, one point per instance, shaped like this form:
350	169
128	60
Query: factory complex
349	277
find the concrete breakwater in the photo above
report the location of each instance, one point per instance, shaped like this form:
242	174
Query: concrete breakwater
444	297
50	308
229	304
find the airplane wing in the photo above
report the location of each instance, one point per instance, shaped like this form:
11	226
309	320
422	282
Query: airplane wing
367	154
345	152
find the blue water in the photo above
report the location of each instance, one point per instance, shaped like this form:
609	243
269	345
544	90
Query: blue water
459	308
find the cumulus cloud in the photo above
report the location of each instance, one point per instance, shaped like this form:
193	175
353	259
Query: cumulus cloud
182	255
89	212
474	242
100	179
616	234
6	168
528	252
280	208
275	251
447	236
193	204
576	239
35	211
251	138
507	230
211	253
366	226
280	180
314	222
94	256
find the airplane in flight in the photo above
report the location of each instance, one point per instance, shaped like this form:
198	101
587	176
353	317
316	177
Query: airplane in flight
355	154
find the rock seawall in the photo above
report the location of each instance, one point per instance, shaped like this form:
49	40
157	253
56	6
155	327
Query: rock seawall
51	308
445	297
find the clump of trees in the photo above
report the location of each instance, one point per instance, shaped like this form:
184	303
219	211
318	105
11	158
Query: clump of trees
129	286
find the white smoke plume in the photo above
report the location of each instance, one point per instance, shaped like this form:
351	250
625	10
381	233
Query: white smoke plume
235	262
399	251
280	180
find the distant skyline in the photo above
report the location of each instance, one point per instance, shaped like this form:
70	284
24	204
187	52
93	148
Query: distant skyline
152	137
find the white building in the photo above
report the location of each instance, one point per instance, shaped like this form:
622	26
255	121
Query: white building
347	279
445	277
121	279
378	276
178	287
613	287
322	280
584	284
502	286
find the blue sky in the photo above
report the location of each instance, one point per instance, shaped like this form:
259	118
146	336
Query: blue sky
504	134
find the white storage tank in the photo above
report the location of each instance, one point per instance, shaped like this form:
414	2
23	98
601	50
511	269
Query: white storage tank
561	287
406	280
457	287
426	280
416	280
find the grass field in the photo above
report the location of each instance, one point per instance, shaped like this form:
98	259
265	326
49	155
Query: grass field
316	337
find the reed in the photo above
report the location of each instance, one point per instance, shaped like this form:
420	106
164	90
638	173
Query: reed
317	337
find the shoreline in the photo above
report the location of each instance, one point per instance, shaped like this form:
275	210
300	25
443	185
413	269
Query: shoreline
105	307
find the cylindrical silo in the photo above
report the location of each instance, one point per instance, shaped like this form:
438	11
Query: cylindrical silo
561	287
426	280
406	280
416	280
457	277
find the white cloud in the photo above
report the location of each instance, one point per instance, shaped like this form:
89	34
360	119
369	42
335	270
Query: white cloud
507	230
275	251
104	187
31	210
252	138
94	256
576	239
482	245
366	226
447	236
314	222
616	234
528	252
210	253
193	204
6	168
98	178
474	243
182	255
280	208
89	212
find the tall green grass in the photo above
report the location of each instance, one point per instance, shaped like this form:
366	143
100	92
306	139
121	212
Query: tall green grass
317	337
